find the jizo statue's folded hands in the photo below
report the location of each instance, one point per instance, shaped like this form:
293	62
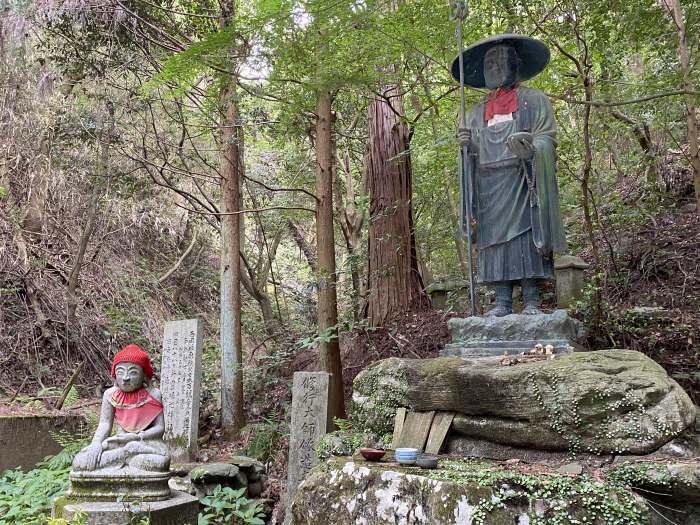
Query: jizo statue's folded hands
521	145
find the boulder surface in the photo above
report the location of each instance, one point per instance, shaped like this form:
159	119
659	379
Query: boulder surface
459	492
603	402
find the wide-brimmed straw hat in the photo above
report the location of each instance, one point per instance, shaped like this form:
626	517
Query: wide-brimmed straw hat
533	54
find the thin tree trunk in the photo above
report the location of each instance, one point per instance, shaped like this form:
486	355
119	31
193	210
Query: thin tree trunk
97	190
329	347
232	415
395	284
676	14
303	245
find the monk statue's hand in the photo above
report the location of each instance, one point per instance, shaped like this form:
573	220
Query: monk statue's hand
521	145
464	136
120	439
88	458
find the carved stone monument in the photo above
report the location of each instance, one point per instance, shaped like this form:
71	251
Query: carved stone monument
181	372
118	476
310	421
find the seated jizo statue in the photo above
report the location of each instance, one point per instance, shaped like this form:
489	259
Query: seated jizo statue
136	408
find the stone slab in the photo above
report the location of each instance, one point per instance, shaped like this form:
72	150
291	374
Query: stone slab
17	431
516	327
180	509
310	421
606	402
180	385
481	448
498	348
438	431
415	429
399	419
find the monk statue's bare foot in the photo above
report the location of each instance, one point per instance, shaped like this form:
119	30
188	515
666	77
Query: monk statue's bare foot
499	311
531	310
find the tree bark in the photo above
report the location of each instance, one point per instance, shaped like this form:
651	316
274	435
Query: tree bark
329	347
395	284
232	415
304	246
676	14
351	221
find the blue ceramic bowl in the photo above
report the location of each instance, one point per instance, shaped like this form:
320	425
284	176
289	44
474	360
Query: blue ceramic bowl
406	456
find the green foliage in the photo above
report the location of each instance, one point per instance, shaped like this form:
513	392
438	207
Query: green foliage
266	439
77	519
573	500
25	498
344	441
226	506
642	473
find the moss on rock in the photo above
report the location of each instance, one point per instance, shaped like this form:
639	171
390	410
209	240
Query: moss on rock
459	492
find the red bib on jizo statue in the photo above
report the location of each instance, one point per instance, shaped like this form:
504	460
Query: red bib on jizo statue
501	102
135	411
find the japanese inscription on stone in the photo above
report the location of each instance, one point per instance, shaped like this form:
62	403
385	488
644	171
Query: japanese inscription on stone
181	370
310	394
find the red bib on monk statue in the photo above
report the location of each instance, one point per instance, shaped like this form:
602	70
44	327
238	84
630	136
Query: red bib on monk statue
501	102
135	411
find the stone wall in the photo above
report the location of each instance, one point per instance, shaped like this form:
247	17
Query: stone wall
26	440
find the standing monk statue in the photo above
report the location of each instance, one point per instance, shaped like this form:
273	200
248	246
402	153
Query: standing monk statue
511	167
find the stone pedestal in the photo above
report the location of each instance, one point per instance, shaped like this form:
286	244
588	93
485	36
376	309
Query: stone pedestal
569	277
515	333
179	509
114	484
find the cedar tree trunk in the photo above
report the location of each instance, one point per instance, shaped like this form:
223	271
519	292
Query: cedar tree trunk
395	284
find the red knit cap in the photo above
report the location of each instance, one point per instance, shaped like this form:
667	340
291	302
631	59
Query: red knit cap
133	354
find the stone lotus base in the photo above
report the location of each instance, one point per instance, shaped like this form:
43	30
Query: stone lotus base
113	484
178	509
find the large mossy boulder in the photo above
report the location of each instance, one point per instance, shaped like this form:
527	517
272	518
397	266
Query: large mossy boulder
604	402
459	492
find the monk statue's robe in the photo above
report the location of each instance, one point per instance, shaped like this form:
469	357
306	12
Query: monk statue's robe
519	225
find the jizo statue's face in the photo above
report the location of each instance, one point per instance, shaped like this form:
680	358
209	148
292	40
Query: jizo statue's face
499	71
130	376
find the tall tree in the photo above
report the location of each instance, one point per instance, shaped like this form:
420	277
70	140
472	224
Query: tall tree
231	170
676	14
394	280
329	347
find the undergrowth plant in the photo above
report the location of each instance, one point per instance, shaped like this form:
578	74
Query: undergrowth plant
226	506
25	498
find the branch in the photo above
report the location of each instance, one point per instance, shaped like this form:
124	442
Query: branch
300	190
180	260
625	102
258	210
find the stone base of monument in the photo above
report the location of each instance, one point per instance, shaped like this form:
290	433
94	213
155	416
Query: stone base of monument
111	485
515	333
178	509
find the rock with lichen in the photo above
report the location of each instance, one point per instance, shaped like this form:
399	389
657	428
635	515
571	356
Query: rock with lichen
351	492
603	402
